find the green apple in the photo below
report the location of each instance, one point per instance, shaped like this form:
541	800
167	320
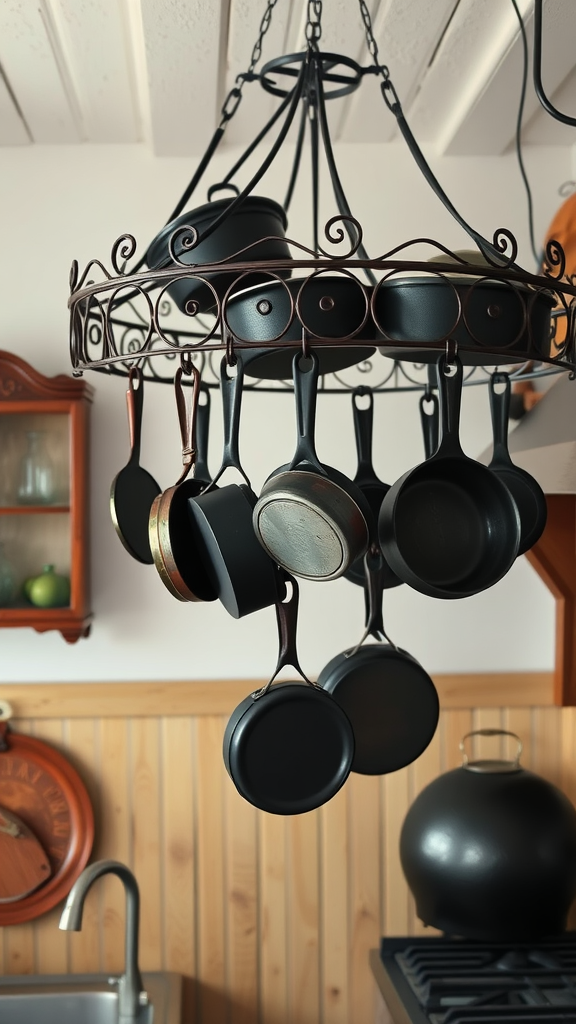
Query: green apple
49	589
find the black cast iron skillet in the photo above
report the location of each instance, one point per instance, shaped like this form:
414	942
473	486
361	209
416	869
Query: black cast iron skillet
390	700
288	747
371	486
176	557
133	489
323	306
310	518
525	490
241	573
430	423
449	528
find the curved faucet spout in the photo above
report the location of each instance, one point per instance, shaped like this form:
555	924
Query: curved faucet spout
131	994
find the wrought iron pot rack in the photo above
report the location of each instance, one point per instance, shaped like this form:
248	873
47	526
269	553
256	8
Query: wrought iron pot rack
126	315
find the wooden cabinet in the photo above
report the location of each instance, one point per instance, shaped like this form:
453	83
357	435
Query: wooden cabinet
43	511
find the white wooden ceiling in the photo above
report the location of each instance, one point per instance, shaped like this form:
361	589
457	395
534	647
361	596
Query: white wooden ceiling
123	71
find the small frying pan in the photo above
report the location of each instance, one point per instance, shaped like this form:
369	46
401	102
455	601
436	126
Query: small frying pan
175	556
310	518
371	486
449	528
133	489
429	423
390	700
525	490
241	574
288	747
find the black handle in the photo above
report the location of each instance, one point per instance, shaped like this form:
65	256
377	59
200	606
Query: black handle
305	393
202	432
450	395
374	593
287	621
363	432
429	424
500	411
231	392
135	405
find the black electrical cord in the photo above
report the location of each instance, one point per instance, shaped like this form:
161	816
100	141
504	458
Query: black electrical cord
537	256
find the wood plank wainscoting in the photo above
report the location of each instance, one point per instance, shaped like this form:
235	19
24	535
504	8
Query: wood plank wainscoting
271	917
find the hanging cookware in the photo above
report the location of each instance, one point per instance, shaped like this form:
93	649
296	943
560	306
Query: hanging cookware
201	470
366	481
389	698
323	306
489	850
241	574
526	491
133	489
288	747
492	321
256	220
310	518
430	423
449	528
176	556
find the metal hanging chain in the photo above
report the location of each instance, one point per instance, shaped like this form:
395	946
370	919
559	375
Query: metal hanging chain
373	50
314	23
232	101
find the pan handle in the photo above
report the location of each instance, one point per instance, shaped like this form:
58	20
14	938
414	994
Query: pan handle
500	410
187	420
135	404
374	568
450	394
429	423
363	430
305	394
287	620
231	392
202	431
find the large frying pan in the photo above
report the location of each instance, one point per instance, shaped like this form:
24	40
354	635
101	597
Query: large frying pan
241	573
390	700
525	490
449	528
310	518
133	489
176	557
288	747
373	489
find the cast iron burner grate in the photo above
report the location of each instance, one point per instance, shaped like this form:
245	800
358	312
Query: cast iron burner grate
446	981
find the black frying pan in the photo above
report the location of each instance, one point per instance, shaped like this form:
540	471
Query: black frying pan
373	489
311	518
449	528
133	489
525	490
390	700
288	747
429	423
175	554
241	573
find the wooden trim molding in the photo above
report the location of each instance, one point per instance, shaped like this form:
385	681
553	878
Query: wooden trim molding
220	697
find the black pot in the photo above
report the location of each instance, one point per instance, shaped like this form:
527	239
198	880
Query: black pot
489	852
255	219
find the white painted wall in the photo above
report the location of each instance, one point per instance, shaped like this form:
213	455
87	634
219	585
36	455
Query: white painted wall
59	203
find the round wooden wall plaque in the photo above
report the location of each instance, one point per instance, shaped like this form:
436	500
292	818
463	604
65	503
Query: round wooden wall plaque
42	788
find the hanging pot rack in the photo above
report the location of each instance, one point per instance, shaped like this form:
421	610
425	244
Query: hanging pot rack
125	316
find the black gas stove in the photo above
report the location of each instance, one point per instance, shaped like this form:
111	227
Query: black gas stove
452	981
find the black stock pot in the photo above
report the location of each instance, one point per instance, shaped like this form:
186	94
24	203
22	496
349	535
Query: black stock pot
489	851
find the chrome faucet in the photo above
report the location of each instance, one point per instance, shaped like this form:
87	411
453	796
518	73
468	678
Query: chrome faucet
131	994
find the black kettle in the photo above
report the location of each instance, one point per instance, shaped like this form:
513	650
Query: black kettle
489	851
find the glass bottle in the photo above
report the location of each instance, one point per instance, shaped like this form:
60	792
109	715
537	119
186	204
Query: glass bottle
36	485
7	580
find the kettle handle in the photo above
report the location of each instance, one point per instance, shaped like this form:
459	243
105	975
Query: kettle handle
491	732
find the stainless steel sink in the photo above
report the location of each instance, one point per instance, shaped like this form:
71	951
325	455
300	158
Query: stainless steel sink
85	999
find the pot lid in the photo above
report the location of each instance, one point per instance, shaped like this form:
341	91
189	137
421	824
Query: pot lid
491	766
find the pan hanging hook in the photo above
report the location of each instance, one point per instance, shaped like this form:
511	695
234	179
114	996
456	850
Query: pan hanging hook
231	357
451	353
305	345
